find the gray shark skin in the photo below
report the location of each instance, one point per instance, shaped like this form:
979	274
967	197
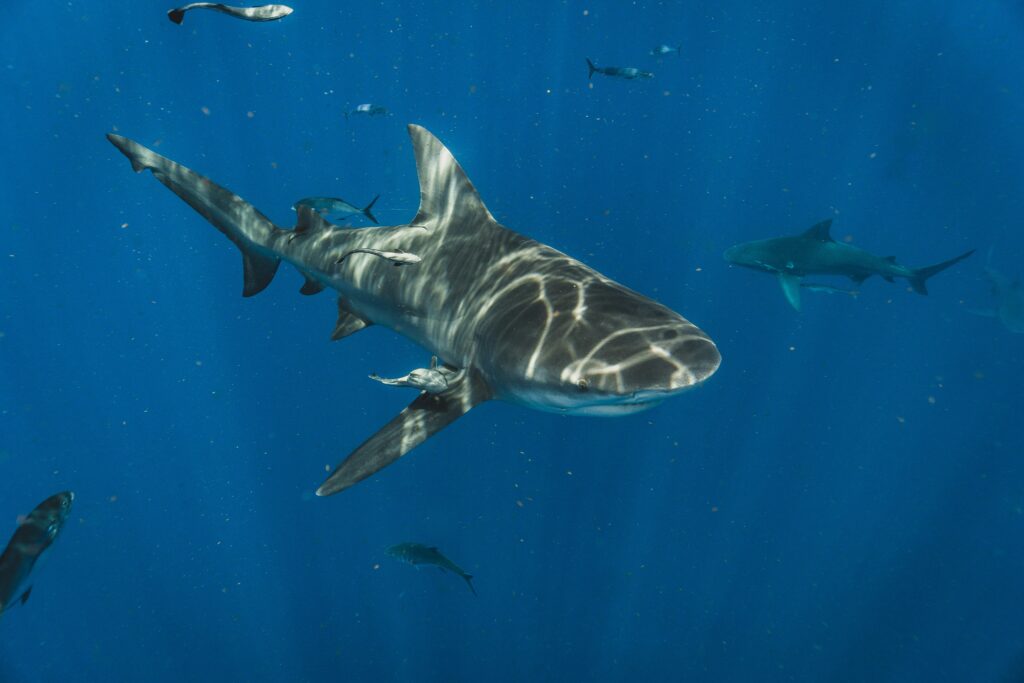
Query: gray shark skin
515	319
35	533
261	13
814	252
630	73
417	554
1009	300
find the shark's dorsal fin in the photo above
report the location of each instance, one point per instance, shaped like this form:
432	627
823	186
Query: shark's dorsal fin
348	323
310	222
820	231
424	417
447	198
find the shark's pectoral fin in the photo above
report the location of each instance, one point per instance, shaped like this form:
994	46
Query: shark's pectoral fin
424	417
791	288
348	323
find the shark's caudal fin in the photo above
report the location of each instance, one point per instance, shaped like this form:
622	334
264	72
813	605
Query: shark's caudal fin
236	218
427	415
921	275
469	582
447	198
590	65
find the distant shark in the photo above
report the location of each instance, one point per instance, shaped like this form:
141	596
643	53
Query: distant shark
814	252
510	318
1009	300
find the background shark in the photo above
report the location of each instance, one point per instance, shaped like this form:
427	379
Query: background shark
814	252
1009	301
510	318
36	532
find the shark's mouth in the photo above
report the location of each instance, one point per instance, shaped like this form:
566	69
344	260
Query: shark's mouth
597	406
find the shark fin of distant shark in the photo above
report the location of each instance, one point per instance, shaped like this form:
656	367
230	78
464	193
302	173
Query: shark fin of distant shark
444	187
791	288
920	276
820	231
424	417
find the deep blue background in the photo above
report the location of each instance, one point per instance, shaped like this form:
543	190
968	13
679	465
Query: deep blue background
843	501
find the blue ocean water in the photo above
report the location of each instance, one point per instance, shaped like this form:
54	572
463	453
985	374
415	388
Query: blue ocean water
842	501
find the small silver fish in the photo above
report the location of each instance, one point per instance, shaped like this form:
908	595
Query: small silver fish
335	206
663	50
367	110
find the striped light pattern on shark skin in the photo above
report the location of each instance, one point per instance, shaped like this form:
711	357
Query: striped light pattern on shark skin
511	318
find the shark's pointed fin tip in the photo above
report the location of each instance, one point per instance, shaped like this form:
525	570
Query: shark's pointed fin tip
820	231
445	189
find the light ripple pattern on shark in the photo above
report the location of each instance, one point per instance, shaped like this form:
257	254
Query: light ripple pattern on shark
514	319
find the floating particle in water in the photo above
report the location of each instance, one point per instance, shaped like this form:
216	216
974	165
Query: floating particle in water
205	110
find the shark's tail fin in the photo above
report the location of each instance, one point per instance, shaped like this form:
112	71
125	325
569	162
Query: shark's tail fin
236	218
920	275
176	15
366	211
469	582
590	65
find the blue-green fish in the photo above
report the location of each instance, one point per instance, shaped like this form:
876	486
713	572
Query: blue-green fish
628	72
417	554
335	206
35	533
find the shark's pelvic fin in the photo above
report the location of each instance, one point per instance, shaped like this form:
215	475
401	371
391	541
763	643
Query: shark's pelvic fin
311	285
348	323
444	186
424	417
237	219
820	231
791	288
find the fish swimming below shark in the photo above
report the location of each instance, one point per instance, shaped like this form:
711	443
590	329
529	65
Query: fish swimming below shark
35	533
814	252
510	318
1009	301
261	13
417	554
630	73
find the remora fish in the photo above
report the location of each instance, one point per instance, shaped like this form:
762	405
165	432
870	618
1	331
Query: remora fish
627	72
828	289
261	13
814	252
335	206
35	533
1009	299
367	110
519	320
417	554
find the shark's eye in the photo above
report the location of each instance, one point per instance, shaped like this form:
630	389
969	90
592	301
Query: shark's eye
583	384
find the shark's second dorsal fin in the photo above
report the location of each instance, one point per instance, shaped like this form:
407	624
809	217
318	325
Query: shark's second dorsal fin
820	231
447	198
310	222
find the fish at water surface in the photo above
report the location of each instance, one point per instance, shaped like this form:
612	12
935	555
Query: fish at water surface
35	533
512	318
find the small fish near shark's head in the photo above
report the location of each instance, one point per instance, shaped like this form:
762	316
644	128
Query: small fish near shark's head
593	347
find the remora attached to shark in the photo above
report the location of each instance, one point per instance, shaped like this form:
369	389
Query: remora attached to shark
814	252
511	318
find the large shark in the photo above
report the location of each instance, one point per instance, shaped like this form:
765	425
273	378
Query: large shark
510	318
1009	300
814	252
